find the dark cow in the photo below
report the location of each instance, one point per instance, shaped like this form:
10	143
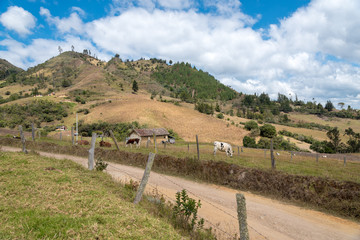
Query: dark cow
105	144
135	141
83	142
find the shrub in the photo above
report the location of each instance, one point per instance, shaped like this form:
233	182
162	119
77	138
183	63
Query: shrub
100	165
251	125
220	116
268	130
249	142
185	210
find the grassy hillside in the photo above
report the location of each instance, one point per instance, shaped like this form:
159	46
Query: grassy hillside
6	69
43	198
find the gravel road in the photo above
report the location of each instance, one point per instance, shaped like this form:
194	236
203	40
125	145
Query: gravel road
267	218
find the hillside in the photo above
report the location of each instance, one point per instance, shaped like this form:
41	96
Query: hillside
7	69
170	96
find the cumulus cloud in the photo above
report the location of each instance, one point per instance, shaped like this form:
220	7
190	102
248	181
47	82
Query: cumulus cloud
19	20
315	52
40	50
72	24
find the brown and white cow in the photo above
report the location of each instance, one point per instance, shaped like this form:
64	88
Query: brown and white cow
223	147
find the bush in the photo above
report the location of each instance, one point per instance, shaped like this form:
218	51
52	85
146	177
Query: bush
100	165
249	142
185	210
220	116
251	125
268	130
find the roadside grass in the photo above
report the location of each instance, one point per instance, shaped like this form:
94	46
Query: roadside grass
44	198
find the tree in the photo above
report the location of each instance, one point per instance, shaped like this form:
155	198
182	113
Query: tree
251	125
334	136
72	48
117	55
341	105
217	107
249	142
329	106
135	86
60	50
268	130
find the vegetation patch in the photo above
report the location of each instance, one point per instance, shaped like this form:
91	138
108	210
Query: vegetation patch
338	197
46	198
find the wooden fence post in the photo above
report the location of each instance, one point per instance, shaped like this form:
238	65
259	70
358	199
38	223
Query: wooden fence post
264	153
197	147
164	144
60	136
273	165
155	142
145	178
242	149
147	143
92	152
114	139
188	147
291	156
23	140
39	133
72	136
33	132
344	161
242	216
238	151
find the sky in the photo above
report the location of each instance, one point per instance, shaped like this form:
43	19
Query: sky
304	48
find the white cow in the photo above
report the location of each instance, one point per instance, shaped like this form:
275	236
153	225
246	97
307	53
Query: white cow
223	147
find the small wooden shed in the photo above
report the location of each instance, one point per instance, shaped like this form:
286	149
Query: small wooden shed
148	134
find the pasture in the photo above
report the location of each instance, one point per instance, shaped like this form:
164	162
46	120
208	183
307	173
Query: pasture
332	168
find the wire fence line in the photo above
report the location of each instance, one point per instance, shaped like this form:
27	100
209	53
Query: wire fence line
170	198
196	195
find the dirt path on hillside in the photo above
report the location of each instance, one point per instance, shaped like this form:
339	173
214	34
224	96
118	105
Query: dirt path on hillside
267	218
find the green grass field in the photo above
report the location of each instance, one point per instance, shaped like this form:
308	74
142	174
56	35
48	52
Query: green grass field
43	198
252	158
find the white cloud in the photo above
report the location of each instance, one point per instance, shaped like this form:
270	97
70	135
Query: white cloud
40	50
292	58
72	24
19	20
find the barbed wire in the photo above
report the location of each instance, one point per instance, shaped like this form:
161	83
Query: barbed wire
168	197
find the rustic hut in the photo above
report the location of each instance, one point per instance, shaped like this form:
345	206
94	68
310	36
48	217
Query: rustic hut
148	134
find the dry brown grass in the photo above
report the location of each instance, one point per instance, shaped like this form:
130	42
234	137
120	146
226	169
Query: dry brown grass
185	121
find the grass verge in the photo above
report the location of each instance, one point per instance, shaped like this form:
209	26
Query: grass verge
44	198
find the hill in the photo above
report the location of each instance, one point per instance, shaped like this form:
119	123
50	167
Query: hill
6	69
170	96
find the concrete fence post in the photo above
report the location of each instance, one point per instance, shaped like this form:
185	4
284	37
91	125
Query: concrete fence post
242	149
23	140
197	147
273	165
72	136
92	152
39	134
242	216
145	178
317	158
154	135
33	132
114	139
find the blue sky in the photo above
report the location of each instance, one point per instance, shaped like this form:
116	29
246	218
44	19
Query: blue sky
306	48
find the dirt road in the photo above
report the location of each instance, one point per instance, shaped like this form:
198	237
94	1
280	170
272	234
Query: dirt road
267	218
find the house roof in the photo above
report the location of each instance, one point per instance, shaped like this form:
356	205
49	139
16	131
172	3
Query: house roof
147	132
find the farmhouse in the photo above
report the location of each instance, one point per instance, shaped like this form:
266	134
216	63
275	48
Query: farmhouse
148	134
